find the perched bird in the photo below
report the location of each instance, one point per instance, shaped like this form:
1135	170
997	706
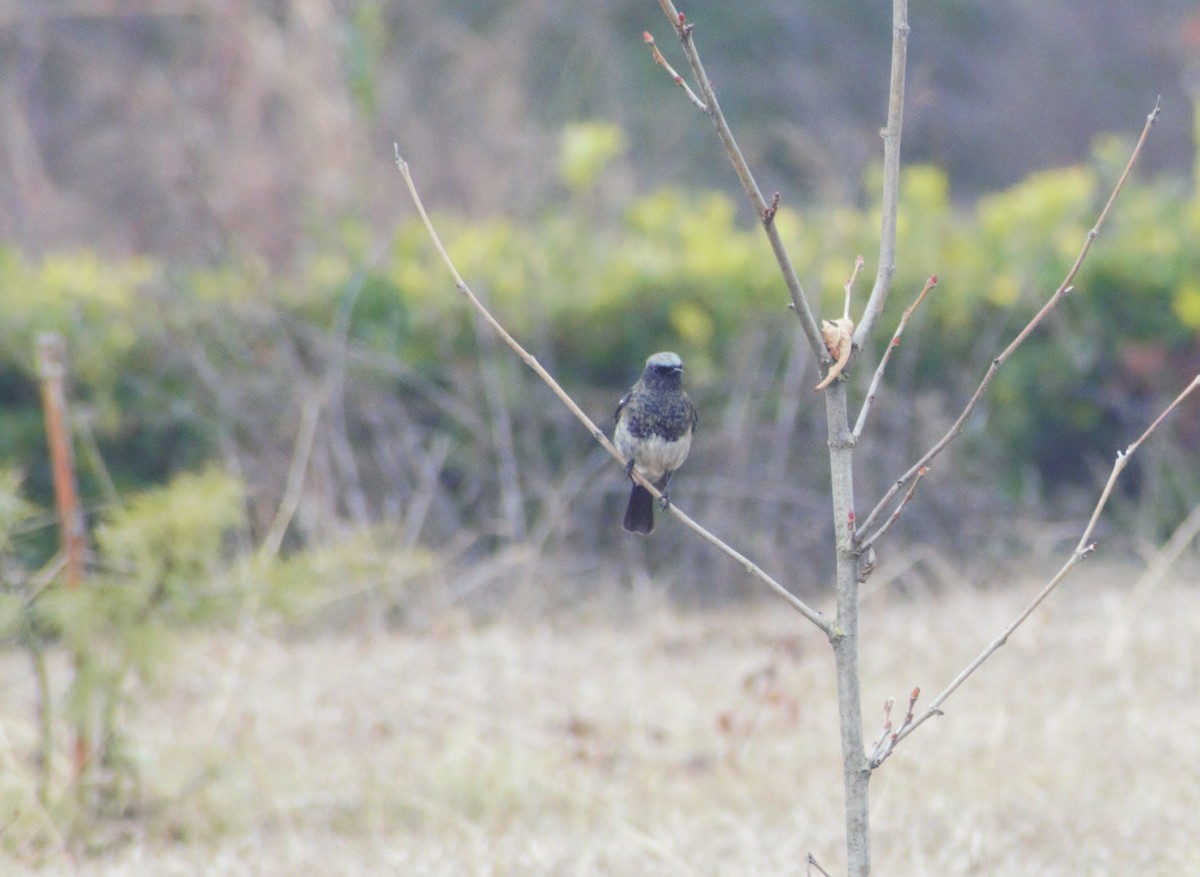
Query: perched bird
655	421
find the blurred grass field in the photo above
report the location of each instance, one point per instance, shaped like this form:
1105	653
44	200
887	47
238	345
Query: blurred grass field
643	740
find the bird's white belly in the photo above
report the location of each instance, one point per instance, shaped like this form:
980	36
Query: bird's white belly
653	456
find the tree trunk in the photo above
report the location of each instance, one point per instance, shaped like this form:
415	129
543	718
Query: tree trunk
855	770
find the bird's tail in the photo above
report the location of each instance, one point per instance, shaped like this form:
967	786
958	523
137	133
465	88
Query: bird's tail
639	514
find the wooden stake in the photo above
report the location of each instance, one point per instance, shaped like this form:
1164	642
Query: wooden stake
52	370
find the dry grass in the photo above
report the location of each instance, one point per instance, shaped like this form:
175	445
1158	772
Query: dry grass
663	743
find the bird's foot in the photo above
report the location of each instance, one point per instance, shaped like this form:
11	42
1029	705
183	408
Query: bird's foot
664	501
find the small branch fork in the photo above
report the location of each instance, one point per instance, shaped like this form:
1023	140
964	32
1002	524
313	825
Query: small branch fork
1082	550
679	80
1050	305
888	737
823	623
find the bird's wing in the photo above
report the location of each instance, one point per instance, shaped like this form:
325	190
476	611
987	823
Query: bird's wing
620	406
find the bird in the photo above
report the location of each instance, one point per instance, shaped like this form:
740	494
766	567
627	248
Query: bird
655	422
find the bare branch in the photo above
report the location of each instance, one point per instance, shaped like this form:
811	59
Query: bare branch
887	354
808	322
795	602
1059	294
679	80
849	284
888	738
885	733
310	416
895	515
891	175
1082	551
1149	581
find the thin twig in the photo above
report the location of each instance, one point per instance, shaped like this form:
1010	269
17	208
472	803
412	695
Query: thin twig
512	500
795	602
887	354
1150	580
889	738
765	211
849	284
1064	288
1082	550
812	863
310	416
864	544
679	80
891	175
885	732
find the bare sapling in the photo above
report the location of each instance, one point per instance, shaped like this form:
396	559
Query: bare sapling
837	344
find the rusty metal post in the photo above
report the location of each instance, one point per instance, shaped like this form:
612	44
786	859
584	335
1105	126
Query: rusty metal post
52	370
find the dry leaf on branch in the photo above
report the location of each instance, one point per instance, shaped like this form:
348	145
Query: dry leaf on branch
838	335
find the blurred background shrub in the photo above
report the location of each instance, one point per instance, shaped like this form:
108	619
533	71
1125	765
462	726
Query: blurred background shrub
202	199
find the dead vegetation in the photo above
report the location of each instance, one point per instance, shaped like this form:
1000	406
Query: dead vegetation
636	739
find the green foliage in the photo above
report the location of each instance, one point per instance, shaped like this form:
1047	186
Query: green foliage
169	364
586	149
163	563
336	582
166	544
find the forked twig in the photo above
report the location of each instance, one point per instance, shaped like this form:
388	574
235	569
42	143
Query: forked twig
1064	288
1082	550
679	80
529	359
812	863
888	738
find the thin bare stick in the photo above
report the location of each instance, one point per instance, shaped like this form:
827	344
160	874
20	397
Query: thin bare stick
864	544
765	211
512	500
886	732
1149	582
887	740
424	491
849	284
1041	315
679	80
1084	548
891	175
310	416
887	354
795	602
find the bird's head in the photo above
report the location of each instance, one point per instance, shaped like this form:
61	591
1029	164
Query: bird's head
664	363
